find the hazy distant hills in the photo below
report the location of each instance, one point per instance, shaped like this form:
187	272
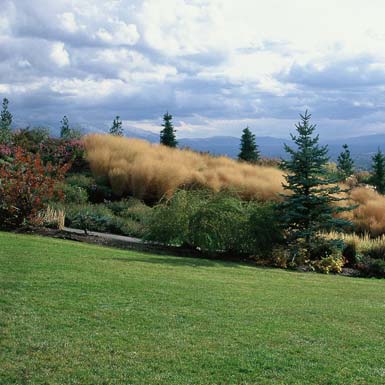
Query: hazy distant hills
362	148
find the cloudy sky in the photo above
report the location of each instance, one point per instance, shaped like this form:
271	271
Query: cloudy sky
216	65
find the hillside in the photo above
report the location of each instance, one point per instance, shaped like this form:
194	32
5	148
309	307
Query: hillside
362	147
75	313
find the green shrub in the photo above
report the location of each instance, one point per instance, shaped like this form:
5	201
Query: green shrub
218	225
215	222
100	218
80	180
263	231
74	194
369	267
169	221
376	252
97	190
130	208
330	264
90	217
349	252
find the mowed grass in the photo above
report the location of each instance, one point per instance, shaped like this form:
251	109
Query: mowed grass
80	314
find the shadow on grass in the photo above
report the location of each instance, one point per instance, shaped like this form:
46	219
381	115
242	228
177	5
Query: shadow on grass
180	261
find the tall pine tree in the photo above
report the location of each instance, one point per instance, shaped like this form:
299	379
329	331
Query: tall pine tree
5	123
378	171
65	130
249	149
167	134
116	128
345	163
308	209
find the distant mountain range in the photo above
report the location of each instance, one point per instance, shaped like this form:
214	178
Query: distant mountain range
362	148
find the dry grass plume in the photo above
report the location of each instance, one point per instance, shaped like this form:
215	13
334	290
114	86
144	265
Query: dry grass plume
149	171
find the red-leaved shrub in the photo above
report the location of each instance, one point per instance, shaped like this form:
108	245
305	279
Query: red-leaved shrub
26	186
60	151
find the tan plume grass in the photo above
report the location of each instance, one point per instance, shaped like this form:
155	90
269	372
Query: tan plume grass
53	218
362	243
149	171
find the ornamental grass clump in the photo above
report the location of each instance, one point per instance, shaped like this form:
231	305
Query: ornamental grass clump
150	171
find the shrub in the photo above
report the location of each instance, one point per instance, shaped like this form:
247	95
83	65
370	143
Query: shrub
263	232
60	151
80	180
218	225
74	194
88	216
330	264
130	209
170	221
369	267
30	139
26	187
5	151
349	252
214	222
97	190
101	218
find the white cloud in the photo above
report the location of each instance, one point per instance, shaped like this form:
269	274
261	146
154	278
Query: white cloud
259	60
119	33
23	64
68	22
59	55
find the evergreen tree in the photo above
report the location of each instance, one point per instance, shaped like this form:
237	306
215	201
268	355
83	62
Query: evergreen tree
5	123
378	175
167	134
249	149
65	130
309	207
345	163
116	128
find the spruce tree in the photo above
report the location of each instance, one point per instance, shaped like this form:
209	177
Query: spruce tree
249	149
167	134
5	123
116	128
65	130
308	209
345	163
378	175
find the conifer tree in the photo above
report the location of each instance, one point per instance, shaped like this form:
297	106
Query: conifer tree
308	208
5	123
116	128
378	175
249	149
65	130
167	134
345	163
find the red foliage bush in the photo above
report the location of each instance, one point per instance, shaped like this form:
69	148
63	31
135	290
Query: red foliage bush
26	186
60	151
5	151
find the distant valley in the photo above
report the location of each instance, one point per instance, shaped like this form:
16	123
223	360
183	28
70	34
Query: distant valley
362	147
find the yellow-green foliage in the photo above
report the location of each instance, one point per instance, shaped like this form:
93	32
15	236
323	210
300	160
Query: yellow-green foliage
150	171
363	244
331	264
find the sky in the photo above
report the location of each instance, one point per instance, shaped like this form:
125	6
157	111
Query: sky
216	65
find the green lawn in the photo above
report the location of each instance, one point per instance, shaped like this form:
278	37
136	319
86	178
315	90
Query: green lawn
74	313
